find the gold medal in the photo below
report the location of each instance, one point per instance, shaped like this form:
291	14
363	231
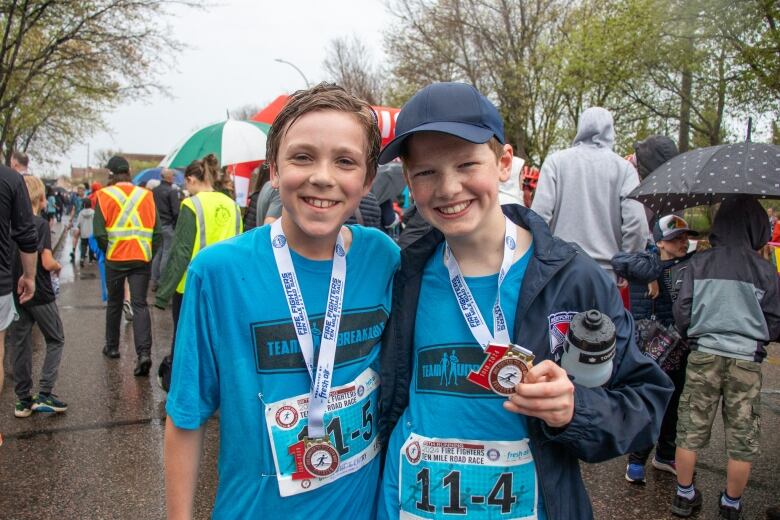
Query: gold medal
504	367
320	458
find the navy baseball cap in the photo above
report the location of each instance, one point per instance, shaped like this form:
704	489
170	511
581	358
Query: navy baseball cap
452	108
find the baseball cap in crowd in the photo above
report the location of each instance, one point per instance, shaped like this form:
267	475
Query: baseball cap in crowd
671	226
452	108
118	164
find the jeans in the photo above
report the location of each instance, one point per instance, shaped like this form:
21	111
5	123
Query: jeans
138	279
47	316
160	259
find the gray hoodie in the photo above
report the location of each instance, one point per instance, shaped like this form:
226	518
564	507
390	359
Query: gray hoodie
582	193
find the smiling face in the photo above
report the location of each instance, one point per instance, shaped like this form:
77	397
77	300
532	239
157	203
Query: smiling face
320	171
455	183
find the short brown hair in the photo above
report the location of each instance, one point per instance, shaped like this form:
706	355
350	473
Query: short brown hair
326	96
21	158
36	190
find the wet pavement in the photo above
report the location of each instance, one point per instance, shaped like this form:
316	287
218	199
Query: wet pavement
103	458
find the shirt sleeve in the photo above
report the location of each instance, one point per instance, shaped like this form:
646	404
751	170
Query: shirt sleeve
44	238
634	222
194	394
179	260
22	225
544	198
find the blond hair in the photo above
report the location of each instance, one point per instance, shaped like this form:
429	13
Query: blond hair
36	191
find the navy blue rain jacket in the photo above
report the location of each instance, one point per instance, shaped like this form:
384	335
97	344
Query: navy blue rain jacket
620	417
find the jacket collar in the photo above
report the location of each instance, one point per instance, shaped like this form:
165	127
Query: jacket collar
548	250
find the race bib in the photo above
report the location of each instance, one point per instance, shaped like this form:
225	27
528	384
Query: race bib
350	423
449	478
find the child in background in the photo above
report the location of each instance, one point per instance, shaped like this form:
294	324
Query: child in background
655	300
729	309
84	224
41	310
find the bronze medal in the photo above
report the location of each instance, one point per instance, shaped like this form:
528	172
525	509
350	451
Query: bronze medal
320	458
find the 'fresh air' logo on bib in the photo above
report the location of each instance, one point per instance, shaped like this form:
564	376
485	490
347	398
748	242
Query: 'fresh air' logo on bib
277	349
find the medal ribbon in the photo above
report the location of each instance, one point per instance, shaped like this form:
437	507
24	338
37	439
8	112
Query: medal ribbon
322	374
468	307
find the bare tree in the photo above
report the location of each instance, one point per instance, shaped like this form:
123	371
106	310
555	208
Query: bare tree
244	112
350	64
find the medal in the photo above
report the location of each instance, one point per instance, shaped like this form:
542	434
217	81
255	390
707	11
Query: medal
504	367
315	456
320	458
505	364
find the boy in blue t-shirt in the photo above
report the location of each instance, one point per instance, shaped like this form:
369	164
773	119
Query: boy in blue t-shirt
280	330
505	443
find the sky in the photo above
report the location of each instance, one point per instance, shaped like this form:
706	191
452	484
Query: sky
229	62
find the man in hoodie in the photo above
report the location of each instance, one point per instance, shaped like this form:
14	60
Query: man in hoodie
729	309
583	193
649	155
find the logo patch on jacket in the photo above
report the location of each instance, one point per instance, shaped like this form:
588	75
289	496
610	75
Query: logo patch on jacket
559	327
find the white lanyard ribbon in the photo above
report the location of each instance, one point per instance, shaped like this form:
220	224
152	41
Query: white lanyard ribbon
322	376
469	308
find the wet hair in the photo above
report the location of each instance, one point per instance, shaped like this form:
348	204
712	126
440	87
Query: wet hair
326	96
21	158
206	170
36	190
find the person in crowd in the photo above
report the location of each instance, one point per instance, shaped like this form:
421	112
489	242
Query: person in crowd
770	213
75	209
20	162
40	310
127	230
265	206
51	205
509	191
208	216
260	290
368	213
583	193
495	273
16	212
649	154
167	201
729	309
85	229
654	301
93	191
59	205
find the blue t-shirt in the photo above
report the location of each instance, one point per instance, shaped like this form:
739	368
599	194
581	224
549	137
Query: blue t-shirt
455	451
236	351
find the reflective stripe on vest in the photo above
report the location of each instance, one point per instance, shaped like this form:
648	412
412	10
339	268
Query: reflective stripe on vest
128	225
208	230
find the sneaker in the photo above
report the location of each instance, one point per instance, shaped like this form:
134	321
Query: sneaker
635	473
23	407
730	513
666	465
48	403
128	310
72	257
681	506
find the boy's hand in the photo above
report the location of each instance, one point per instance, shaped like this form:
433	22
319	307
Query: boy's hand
653	290
547	393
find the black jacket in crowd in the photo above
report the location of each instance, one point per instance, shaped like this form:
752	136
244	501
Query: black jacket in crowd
166	199
622	416
16	224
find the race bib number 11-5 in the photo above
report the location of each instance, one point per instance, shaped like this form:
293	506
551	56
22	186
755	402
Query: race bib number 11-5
350	424
456	478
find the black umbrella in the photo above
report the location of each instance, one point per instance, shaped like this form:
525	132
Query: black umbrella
706	176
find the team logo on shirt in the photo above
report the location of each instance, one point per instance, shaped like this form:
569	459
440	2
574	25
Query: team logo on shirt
444	369
559	327
286	417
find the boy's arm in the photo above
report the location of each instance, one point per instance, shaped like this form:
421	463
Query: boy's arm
546	192
625	414
48	262
683	303
181	455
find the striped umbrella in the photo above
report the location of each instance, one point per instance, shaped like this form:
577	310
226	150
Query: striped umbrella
231	141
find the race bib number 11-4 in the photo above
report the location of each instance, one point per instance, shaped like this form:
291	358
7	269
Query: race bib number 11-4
456	478
350	423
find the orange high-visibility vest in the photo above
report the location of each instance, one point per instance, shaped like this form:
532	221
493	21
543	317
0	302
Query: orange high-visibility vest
130	215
